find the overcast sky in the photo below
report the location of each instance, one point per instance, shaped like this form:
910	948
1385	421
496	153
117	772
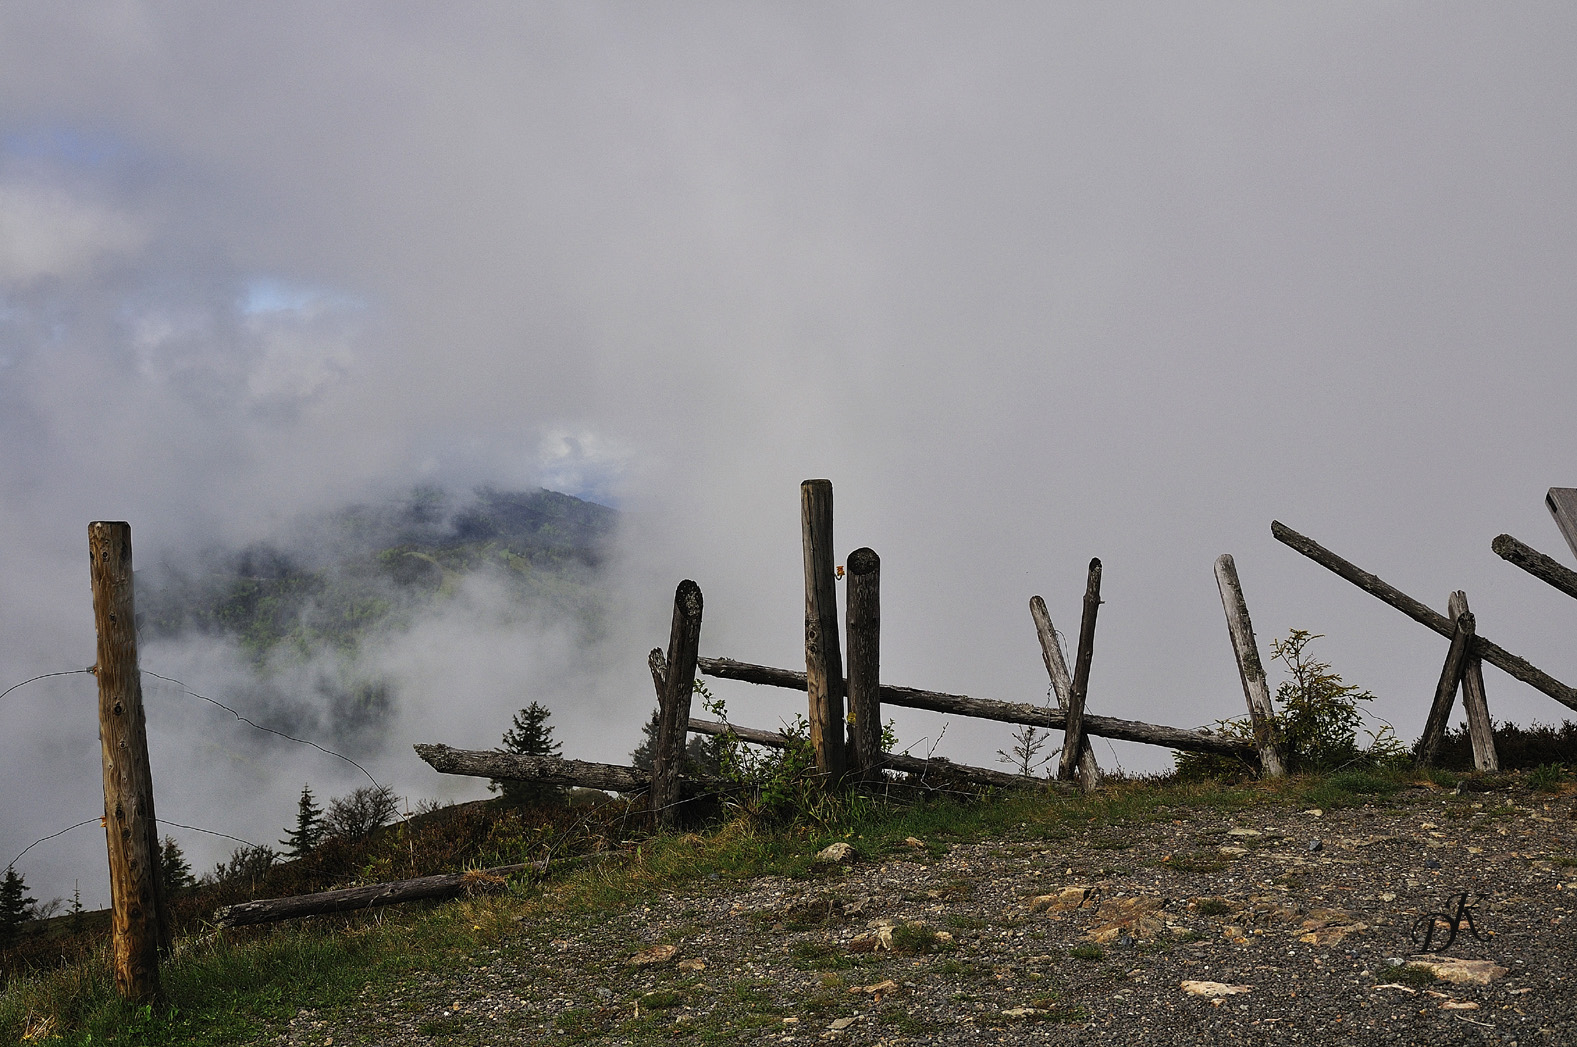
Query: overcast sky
1028	283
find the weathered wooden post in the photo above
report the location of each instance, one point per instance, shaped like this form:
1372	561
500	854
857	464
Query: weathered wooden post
673	713
1474	700
1562	504
1446	690
1061	684
823	658
1492	653
139	921
1250	669
1545	568
865	628
1073	733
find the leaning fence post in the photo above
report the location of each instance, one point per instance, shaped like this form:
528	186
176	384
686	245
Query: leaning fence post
1446	690
823	658
1073	731
673	714
139	921
1474	700
1262	716
1061	684
865	629
1562	504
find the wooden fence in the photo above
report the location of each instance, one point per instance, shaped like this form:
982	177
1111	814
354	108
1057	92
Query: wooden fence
846	739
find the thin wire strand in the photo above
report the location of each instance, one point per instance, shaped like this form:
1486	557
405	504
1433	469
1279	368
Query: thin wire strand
260	727
210	832
24	683
51	836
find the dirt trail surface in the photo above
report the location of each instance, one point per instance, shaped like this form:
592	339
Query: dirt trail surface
1286	926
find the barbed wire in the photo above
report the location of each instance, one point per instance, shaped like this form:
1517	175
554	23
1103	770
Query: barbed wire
187	690
51	836
45	676
100	820
260	727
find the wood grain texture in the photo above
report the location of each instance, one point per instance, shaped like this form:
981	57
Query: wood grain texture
990	709
823	654
1546	569
1508	663
1446	690
1061	683
1073	740
673	712
139	920
1251	669
1562	504
864	626
352	899
1474	700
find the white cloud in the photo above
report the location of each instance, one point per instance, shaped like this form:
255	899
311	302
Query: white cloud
47	232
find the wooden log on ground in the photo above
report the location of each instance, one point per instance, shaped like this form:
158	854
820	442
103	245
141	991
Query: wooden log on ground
1562	504
1199	740
901	762
1251	670
1494	654
823	657
139	921
1544	568
1061	684
1474	700
865	645
1445	691
1073	740
673	713
352	899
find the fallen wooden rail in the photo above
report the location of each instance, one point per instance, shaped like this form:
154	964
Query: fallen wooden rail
350	899
1200	740
1493	653
901	762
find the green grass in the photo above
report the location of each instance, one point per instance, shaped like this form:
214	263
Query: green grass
241	987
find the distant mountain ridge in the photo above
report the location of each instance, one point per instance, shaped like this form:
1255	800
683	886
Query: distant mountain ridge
366	567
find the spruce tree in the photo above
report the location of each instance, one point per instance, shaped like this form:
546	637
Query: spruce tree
530	736
15	905
174	871
309	826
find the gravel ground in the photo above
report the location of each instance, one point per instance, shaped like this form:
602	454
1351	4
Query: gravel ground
1060	937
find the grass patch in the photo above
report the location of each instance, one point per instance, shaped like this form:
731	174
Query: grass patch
245	986
1213	907
1415	975
819	956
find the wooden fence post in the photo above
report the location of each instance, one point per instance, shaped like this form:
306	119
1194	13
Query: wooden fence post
1562	504
1446	690
865	629
1073	733
823	658
1261	714
1061	684
1474	700
1493	653
139	920
673	714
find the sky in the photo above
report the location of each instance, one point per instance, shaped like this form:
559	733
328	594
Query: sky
1030	284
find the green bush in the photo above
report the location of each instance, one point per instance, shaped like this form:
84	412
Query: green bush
1317	722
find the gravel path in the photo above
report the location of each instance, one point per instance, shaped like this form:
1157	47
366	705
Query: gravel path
1301	918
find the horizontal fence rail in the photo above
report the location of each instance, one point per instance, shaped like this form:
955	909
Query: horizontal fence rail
1199	740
